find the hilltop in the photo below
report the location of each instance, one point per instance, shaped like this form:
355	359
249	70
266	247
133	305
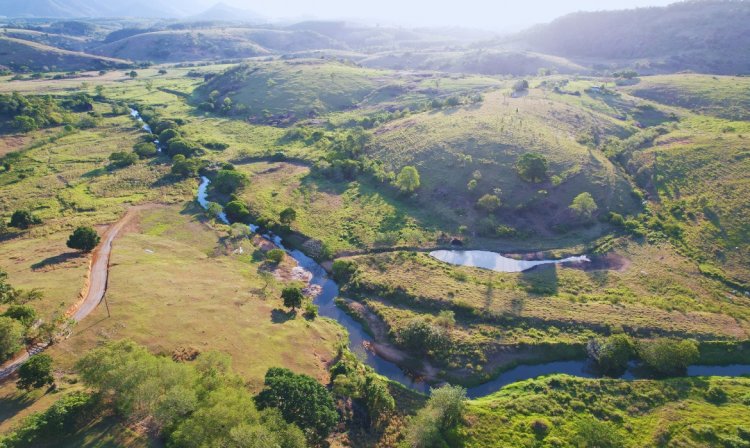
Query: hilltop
18	54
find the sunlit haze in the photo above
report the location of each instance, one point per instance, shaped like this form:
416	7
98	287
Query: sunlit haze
497	15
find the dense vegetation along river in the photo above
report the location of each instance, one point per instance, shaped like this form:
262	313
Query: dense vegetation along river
358	336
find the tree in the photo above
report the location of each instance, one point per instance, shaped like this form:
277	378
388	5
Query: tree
520	85
668	356
11	337
301	400
84	239
287	216
611	354
178	146
133	74
292	297
408	179
168	135
23	219
343	270
184	167
22	313
36	372
237	211
443	411
275	256
25	123
145	150
229	181
584	206
489	203
532	167
378	399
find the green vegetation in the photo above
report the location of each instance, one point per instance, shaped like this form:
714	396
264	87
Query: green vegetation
444	410
84	239
292	297
668	356
573	412
36	372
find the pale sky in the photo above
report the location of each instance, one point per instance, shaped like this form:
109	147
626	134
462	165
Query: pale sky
486	14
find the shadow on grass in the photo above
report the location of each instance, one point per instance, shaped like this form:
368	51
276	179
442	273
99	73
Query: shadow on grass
57	259
541	280
279	316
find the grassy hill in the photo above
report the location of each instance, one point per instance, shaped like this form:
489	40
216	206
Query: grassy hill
558	411
449	146
492	62
724	97
72	43
183	45
17	54
704	36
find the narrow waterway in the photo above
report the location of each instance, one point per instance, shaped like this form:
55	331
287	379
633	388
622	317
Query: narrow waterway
358	336
495	261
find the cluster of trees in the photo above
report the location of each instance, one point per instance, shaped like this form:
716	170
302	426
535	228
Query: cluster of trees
23	219
359	390
204	403
662	355
433	423
427	335
29	113
17	322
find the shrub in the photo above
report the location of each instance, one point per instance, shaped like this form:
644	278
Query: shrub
23	219
36	372
343	270
532	167
716	395
229	181
11	337
668	356
237	211
611	354
311	311
122	159
287	216
584	206
275	255
168	135
520	85
408	179
84	239
178	146
22	313
443	411
145	150
489	203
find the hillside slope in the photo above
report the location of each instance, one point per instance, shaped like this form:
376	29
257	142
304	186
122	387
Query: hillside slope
705	36
17	53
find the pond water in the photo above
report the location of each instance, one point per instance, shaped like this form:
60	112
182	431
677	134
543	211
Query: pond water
358	336
495	261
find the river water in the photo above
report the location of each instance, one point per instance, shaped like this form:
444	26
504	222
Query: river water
358	336
495	261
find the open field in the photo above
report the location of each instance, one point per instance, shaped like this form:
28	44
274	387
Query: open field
207	299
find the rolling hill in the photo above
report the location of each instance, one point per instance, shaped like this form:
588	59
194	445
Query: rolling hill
17	54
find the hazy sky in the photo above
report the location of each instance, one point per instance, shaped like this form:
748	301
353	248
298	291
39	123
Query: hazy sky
487	14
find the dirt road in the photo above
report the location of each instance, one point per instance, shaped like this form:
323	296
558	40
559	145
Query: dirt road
93	289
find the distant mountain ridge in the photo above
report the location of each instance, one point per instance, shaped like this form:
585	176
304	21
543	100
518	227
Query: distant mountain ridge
101	8
700	35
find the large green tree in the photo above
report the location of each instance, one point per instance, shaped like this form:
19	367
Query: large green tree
408	179
292	297
668	356
584	206
301	400
11	337
532	167
84	239
36	372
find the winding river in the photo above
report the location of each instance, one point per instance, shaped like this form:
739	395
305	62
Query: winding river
358	336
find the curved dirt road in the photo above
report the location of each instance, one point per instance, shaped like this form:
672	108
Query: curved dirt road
93	290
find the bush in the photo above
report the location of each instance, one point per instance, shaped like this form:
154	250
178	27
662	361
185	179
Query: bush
443	411
145	150
287	216
408	179
584	206
532	167
229	181
611	354
122	159
343	270
22	313
668	356
11	337
36	372
168	135
311	311
489	203
23	219
420	336
84	239
716	395
275	255
237	211
178	146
